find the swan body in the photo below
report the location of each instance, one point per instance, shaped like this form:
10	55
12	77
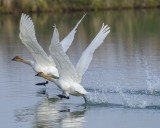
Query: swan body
70	76
42	62
49	70
72	88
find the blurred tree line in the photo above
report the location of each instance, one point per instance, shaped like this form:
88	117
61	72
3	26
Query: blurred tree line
7	6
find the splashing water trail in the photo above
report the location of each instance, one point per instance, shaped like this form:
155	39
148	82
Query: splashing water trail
152	80
132	101
97	98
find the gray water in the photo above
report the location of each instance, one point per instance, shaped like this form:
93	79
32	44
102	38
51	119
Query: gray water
123	78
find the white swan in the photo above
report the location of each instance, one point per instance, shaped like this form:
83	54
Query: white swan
42	62
70	77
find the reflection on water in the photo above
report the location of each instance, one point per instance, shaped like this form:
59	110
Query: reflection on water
52	112
124	73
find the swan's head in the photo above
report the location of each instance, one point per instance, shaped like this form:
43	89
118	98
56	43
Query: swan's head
17	58
40	74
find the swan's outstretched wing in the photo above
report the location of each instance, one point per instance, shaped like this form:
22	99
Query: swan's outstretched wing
28	38
87	55
67	41
65	67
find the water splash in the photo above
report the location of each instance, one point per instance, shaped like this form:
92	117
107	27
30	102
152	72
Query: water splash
119	98
97	97
152	80
131	101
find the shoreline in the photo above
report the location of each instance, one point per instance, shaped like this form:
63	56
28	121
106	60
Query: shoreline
79	10
61	6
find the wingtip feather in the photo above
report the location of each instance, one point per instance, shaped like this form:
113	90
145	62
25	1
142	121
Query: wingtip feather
26	26
84	14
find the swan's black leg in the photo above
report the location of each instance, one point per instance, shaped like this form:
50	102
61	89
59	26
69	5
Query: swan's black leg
44	83
85	99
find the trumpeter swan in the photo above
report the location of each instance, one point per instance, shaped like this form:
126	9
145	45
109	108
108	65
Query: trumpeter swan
42	62
70	76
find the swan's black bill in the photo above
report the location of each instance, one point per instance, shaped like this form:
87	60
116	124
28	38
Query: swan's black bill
37	74
13	59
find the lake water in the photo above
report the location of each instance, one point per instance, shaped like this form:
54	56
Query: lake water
123	78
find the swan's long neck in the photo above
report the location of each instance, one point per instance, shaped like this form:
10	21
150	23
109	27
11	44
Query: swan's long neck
51	79
29	62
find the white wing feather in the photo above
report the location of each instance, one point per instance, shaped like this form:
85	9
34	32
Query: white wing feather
65	67
87	55
66	42
28	38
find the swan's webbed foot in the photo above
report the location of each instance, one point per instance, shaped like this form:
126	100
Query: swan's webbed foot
67	97
62	96
44	83
67	110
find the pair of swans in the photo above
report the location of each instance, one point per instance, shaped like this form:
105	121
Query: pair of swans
69	77
42	62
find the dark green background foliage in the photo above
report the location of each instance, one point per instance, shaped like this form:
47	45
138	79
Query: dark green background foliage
72	5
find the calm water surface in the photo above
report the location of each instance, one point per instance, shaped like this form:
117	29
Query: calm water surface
123	78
